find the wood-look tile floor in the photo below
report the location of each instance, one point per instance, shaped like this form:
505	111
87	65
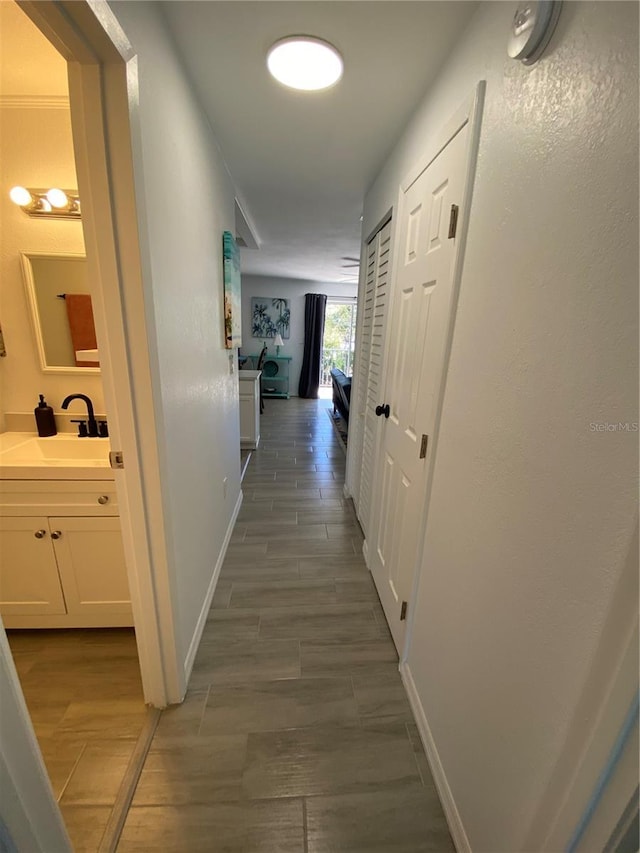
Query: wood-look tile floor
295	735
84	694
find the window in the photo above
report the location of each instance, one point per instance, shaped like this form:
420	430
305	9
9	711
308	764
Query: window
338	345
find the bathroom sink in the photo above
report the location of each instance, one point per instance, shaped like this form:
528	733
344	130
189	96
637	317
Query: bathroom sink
26	451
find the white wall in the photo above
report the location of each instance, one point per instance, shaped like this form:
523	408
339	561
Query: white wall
531	513
294	290
181	234
36	150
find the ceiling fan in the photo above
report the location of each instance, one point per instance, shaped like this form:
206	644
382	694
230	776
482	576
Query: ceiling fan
346	266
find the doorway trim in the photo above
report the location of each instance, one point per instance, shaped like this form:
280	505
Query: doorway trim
103	94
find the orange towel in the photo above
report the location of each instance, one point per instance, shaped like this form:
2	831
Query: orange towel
81	325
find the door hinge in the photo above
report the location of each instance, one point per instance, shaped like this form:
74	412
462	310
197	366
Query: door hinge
116	459
423	446
453	221
403	611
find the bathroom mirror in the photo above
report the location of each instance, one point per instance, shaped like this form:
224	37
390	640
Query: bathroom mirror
60	305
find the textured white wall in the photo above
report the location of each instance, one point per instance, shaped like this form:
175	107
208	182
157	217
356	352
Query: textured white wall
531	513
29	156
187	200
294	290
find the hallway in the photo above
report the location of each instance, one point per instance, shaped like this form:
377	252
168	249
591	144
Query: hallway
296	734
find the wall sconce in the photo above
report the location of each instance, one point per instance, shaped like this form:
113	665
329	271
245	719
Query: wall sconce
51	204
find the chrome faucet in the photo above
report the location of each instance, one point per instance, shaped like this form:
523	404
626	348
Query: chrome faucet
91	427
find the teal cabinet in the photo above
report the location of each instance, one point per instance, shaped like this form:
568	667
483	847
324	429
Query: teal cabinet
275	375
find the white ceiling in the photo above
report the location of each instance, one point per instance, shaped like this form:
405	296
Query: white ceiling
303	161
30	67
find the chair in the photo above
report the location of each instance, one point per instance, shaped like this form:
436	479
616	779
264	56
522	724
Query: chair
259	366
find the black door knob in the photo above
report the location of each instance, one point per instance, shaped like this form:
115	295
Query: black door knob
383	410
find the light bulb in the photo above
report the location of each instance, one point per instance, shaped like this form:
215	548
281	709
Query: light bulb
303	62
21	196
57	198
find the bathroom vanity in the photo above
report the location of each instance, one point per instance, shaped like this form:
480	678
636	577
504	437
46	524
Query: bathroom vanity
63	563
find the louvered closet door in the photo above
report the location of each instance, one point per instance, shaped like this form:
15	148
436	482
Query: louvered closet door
376	309
361	374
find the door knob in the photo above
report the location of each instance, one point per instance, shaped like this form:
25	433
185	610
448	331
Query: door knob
56	534
40	534
383	410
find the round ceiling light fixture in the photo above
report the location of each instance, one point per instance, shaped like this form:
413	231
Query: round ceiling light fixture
304	62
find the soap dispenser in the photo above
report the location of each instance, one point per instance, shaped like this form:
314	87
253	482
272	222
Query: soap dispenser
45	420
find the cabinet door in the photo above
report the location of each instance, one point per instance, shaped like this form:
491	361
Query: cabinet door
91	564
249	413
29	580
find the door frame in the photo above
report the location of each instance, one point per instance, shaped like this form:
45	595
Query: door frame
469	113
103	95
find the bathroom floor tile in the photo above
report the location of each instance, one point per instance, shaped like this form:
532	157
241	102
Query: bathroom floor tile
85	825
99	773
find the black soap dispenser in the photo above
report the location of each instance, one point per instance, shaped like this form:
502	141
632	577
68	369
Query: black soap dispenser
45	421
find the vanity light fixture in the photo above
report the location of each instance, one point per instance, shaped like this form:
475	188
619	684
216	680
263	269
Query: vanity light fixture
53	203
305	62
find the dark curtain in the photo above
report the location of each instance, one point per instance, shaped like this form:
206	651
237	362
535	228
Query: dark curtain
314	306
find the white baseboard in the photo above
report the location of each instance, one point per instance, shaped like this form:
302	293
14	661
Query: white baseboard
451	812
202	619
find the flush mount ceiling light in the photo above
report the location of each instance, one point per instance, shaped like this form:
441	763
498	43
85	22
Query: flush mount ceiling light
304	62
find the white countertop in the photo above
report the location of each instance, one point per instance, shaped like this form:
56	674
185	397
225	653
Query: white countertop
26	456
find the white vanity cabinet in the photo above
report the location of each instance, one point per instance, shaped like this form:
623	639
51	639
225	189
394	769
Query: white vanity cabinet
249	391
62	563
29	580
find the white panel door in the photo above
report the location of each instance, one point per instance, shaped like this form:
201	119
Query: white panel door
379	304
422	318
29	580
92	565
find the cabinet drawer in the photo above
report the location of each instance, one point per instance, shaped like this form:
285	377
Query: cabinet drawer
73	497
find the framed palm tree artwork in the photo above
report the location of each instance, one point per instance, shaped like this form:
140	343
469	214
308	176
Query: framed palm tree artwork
270	316
232	327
